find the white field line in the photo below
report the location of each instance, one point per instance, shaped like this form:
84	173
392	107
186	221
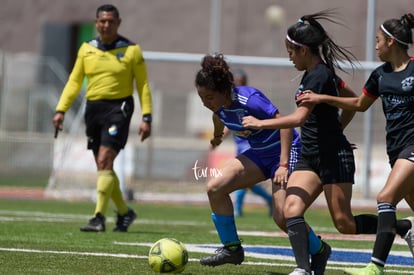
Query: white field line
190	247
115	255
210	248
398	240
54	217
122	255
36	216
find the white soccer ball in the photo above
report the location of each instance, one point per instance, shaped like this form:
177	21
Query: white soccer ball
168	255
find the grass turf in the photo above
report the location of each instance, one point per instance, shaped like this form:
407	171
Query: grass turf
43	237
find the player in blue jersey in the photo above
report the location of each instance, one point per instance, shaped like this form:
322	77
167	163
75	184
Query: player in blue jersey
327	161
393	82
240	79
272	153
257	189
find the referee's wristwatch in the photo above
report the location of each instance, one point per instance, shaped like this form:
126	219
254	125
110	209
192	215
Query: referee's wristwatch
147	118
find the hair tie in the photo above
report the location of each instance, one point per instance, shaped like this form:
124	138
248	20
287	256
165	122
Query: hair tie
300	21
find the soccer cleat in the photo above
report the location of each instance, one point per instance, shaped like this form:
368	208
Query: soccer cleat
300	271
319	261
409	236
96	224
123	222
224	256
370	269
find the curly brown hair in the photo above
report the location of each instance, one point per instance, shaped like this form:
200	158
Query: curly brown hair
215	74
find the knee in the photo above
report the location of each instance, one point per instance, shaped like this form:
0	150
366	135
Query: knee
384	197
104	162
105	158
290	209
213	189
345	225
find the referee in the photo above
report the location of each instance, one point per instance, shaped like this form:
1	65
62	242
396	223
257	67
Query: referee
111	64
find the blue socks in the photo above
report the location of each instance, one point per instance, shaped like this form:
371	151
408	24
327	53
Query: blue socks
315	243
226	229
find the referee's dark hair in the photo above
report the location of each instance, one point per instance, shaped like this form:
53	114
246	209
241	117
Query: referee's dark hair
107	8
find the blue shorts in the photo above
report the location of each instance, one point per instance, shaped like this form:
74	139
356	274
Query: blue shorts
268	161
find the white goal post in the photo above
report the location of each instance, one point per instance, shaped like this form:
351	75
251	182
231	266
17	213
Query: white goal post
261	61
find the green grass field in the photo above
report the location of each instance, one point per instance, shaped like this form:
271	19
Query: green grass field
43	237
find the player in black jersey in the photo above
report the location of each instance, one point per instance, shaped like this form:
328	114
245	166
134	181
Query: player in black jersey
393	81
327	160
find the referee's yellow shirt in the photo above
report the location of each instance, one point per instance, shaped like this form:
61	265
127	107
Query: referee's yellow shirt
110	75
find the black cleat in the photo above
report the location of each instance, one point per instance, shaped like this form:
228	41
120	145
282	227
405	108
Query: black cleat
320	260
224	256
123	222
96	224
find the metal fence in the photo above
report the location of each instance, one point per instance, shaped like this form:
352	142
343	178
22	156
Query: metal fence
31	85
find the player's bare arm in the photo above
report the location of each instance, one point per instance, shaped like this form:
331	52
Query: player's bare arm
218	134
359	104
293	120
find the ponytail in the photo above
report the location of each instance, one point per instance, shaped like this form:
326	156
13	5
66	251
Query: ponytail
310	33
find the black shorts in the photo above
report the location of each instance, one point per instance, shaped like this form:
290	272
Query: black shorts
107	123
406	153
332	167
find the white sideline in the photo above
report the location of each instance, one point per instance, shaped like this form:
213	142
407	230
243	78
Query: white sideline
122	255
117	255
53	217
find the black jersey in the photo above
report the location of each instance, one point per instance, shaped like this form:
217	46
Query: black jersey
396	90
322	130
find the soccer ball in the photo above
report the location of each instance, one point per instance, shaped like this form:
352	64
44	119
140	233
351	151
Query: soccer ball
168	255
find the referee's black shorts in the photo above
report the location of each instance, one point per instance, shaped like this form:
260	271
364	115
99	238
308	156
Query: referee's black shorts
107	123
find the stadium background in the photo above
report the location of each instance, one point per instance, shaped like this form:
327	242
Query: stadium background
40	40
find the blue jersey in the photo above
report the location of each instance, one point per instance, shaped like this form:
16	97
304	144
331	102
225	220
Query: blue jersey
248	101
241	144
